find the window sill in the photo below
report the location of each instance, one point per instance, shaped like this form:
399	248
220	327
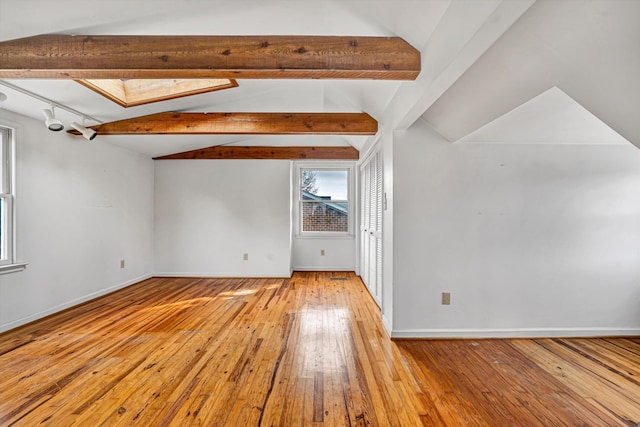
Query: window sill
333	236
12	268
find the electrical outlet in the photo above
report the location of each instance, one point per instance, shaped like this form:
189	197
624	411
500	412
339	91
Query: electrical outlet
446	298
245	257
121	263
321	252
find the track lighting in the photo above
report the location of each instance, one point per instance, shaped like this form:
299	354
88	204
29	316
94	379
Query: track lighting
87	133
52	123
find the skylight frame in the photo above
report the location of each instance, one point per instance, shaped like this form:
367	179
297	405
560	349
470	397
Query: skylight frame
116	90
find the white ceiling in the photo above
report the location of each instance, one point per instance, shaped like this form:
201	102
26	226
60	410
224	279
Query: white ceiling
477	64
588	49
550	118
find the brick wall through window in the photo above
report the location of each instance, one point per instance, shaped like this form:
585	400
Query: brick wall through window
321	216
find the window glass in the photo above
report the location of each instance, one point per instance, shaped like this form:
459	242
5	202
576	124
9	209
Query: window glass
6	198
324	198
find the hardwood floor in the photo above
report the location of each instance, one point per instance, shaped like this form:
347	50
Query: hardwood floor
528	382
303	351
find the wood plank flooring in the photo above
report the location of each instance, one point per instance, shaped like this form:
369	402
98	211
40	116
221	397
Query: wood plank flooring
302	351
528	382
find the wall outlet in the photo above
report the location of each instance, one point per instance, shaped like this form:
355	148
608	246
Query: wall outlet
121	263
245	257
321	252
446	298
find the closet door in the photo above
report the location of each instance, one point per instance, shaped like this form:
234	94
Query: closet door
371	225
366	197
378	233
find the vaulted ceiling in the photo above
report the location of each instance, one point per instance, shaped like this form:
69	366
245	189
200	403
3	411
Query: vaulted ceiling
480	60
588	49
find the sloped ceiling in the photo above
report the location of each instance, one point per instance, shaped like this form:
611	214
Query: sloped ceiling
481	59
215	17
550	118
588	49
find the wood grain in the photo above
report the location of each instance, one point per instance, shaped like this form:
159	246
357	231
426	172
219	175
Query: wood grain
56	56
532	382
221	152
602	371
302	351
210	352
176	123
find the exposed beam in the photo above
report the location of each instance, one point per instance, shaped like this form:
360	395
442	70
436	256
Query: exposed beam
220	152
242	124
55	56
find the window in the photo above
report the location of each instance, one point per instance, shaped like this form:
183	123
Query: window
6	197
324	200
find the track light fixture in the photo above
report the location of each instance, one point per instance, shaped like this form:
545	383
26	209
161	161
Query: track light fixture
52	123
87	133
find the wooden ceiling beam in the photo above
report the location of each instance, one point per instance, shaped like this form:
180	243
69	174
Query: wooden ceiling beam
55	56
241	124
221	152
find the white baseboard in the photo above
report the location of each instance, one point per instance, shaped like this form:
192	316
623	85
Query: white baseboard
514	333
243	275
387	325
15	323
307	268
220	275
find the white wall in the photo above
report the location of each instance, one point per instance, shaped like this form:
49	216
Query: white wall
529	239
339	253
81	208
209	213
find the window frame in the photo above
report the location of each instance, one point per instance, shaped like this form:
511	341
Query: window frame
299	167
7	194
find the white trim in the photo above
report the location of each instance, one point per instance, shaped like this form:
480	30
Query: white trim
324	268
9	156
12	268
373	150
514	333
16	323
219	275
325	235
367	149
350	167
387	325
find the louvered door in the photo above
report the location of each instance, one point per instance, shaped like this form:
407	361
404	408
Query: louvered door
371	174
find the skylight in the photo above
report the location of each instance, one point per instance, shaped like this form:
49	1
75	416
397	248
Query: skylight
133	92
